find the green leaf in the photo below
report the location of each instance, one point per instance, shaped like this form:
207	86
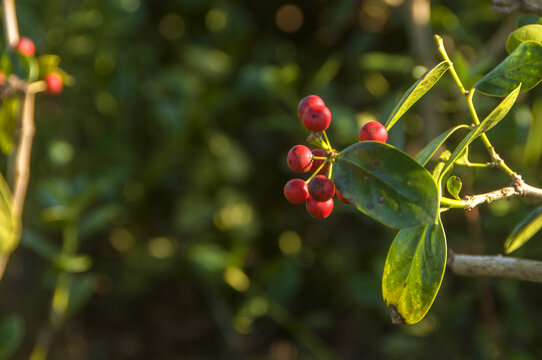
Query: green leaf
72	263
525	33
523	66
454	185
524	231
11	335
413	272
9	226
9	112
429	150
386	184
489	122
416	91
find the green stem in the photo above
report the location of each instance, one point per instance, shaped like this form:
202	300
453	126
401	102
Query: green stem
327	139
319	158
317	170
469	95
330	170
452	203
442	51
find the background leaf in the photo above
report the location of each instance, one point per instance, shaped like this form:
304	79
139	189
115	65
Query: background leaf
416	91
490	121
9	111
9	228
524	231
525	33
427	152
523	66
11	335
386	184
413	272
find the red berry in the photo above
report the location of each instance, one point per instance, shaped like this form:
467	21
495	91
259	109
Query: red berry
2	78
321	188
316	163
373	130
300	158
319	209
306	101
54	83
296	191
341	197
26	46
316	117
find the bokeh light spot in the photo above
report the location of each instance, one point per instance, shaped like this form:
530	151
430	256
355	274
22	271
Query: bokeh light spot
289	18
236	278
130	5
122	240
216	20
172	26
376	84
60	152
233	215
161	247
290	242
106	103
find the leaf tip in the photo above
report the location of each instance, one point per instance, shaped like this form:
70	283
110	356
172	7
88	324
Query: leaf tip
396	318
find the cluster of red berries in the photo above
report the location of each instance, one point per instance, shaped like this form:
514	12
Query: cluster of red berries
317	192
53	80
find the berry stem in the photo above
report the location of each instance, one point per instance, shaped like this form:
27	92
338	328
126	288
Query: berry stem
330	170
318	170
326	139
319	157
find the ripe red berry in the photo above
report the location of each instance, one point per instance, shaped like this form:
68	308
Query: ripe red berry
341	197
26	46
319	209
54	83
373	130
316	117
300	158
307	101
2	78
316	163
296	191
321	188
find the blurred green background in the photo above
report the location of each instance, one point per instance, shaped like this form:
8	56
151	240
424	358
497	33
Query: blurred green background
169	155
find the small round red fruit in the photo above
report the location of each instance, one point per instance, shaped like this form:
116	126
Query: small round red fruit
300	158
316	117
319	209
296	191
321	188
316	163
373	130
2	78
54	83
308	101
26	46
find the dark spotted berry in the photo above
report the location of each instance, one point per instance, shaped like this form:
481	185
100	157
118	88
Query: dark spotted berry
307	101
316	117
321	188
373	130
300	158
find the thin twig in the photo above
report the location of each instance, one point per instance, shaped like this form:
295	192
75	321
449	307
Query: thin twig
497	266
10	22
22	170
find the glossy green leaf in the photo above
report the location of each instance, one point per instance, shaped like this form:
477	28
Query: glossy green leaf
463	158
386	184
523	66
413	272
531	32
11	335
9	112
429	150
489	122
453	185
524	231
9	226
416	91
